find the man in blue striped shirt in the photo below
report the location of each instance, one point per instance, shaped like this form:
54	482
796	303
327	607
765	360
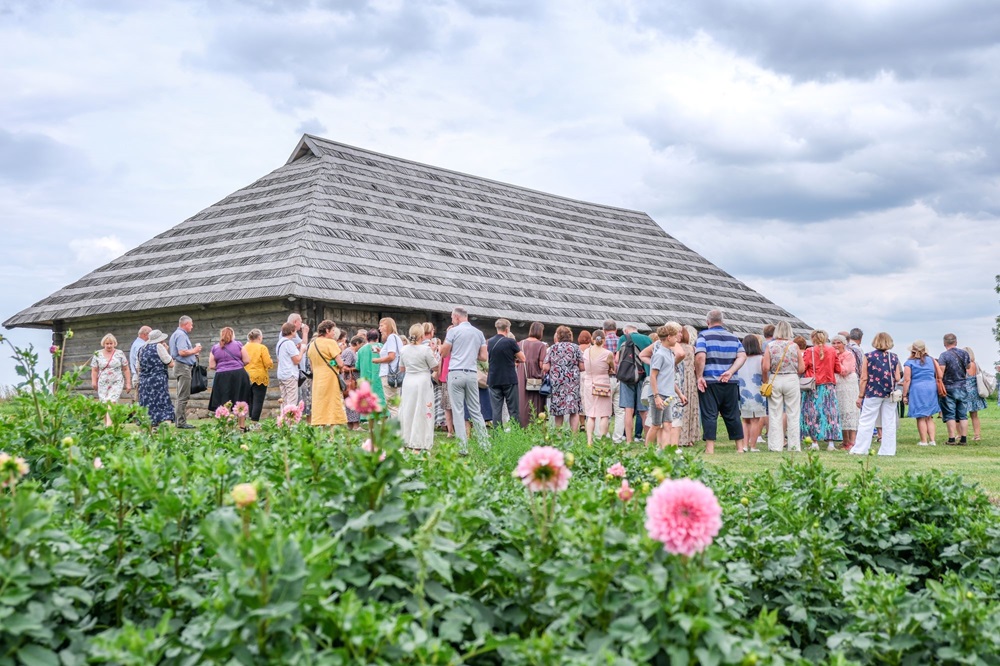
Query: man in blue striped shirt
718	355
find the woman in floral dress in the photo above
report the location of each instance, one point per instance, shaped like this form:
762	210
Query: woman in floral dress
564	362
109	373
691	417
154	391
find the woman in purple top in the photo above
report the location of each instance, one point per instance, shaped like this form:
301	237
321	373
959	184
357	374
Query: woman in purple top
231	383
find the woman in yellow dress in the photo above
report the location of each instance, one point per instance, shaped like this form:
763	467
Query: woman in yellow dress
324	355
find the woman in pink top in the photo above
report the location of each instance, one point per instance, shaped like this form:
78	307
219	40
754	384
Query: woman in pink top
847	391
598	366
820	414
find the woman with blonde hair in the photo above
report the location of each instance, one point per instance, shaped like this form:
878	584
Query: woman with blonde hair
975	402
598	366
847	391
258	364
880	373
564	362
327	363
231	383
416	409
820	415
690	429
110	373
388	362
920	390
781	366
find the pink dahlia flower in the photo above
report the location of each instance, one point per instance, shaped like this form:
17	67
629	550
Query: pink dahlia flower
98	464
543	468
222	412
617	470
291	414
683	514
625	493
363	400
241	409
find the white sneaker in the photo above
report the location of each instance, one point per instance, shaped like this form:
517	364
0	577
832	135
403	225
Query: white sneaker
814	447
931	443
831	447
922	444
760	440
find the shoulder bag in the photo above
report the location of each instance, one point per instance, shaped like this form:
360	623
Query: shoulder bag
985	383
328	362
545	388
533	383
395	377
199	378
896	395
808	384
767	388
602	390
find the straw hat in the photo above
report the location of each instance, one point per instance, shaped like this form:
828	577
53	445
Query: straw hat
155	336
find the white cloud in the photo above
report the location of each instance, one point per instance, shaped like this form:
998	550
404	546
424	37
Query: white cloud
97	251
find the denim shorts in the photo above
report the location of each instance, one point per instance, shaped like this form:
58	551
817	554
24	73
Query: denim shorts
629	394
954	406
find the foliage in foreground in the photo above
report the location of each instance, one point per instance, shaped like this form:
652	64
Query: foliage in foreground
143	557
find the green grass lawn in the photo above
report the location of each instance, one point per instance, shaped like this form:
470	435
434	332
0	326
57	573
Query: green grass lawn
978	463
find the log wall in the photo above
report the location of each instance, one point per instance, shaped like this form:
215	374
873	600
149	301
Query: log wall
268	316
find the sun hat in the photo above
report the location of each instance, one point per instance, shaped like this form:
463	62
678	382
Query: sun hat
155	336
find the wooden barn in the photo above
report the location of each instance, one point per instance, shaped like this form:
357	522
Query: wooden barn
351	235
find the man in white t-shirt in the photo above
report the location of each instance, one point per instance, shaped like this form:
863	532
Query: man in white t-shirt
466	344
289	352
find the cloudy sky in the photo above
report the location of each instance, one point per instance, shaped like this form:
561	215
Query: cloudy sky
841	157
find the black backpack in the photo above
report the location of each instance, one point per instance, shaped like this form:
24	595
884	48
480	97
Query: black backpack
630	369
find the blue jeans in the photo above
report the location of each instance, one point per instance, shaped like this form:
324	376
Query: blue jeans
953	404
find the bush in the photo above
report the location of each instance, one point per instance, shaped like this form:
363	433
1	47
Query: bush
343	558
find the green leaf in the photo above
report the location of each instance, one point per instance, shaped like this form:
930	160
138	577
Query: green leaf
36	655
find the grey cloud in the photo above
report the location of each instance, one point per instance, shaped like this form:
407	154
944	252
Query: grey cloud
834	39
29	157
324	51
311	126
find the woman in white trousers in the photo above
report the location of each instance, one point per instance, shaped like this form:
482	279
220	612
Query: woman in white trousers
783	363
880	373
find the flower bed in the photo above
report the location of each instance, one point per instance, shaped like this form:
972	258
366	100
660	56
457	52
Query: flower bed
296	546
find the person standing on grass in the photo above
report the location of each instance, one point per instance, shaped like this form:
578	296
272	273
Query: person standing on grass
598	365
976	403
610	328
847	391
110	373
920	390
564	362
631	374
718	356
665	386
753	405
880	373
388	361
289	354
781	366
257	368
466	346
954	404
501	378
185	357
820	415
133	355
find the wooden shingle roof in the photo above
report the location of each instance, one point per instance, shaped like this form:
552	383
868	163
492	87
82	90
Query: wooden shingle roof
342	224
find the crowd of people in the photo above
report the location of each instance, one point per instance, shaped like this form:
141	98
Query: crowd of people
669	389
